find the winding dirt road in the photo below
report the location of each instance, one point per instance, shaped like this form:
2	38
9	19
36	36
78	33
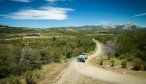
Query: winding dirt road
72	74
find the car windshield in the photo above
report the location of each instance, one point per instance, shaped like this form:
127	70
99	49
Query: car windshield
81	56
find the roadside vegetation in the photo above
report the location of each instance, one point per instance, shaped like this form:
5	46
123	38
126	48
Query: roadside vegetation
29	55
126	50
22	59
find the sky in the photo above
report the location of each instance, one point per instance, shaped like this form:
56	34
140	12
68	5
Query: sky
62	13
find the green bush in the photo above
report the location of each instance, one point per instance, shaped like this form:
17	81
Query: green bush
117	55
19	56
131	58
125	55
101	62
124	64
129	46
137	63
29	78
68	54
144	68
112	62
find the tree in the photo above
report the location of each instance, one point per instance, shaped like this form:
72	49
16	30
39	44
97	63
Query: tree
54	38
68	53
45	56
109	48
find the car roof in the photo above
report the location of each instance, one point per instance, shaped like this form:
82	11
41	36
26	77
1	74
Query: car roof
81	55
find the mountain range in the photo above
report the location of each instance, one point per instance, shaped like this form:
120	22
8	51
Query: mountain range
112	28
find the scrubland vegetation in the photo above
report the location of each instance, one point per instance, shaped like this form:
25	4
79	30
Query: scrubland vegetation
127	50
25	55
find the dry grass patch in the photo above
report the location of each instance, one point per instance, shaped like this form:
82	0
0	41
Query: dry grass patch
117	66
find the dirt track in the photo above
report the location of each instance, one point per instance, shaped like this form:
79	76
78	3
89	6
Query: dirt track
73	74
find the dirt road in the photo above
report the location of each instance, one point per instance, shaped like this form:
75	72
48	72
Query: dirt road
73	74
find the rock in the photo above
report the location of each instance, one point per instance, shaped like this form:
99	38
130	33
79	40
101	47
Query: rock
124	72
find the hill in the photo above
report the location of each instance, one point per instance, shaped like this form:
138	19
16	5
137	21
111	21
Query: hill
108	28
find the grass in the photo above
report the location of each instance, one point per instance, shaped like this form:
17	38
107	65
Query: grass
35	42
49	72
46	73
117	66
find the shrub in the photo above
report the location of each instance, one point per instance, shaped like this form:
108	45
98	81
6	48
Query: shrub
117	55
68	54
112	62
29	77
131	58
124	64
54	38
145	66
124	56
4	71
19	56
101	62
136	64
57	57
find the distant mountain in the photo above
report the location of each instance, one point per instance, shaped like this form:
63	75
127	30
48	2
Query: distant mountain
128	26
9	29
113	28
109	28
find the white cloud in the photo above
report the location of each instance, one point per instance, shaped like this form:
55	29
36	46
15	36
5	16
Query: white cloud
139	15
22	0
46	13
104	22
54	0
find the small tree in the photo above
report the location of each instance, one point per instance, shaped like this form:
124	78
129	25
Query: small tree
56	56
137	64
124	64
101	62
68	53
29	77
54	38
45	57
109	48
112	62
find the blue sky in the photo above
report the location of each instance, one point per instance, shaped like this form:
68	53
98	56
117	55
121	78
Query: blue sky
60	13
